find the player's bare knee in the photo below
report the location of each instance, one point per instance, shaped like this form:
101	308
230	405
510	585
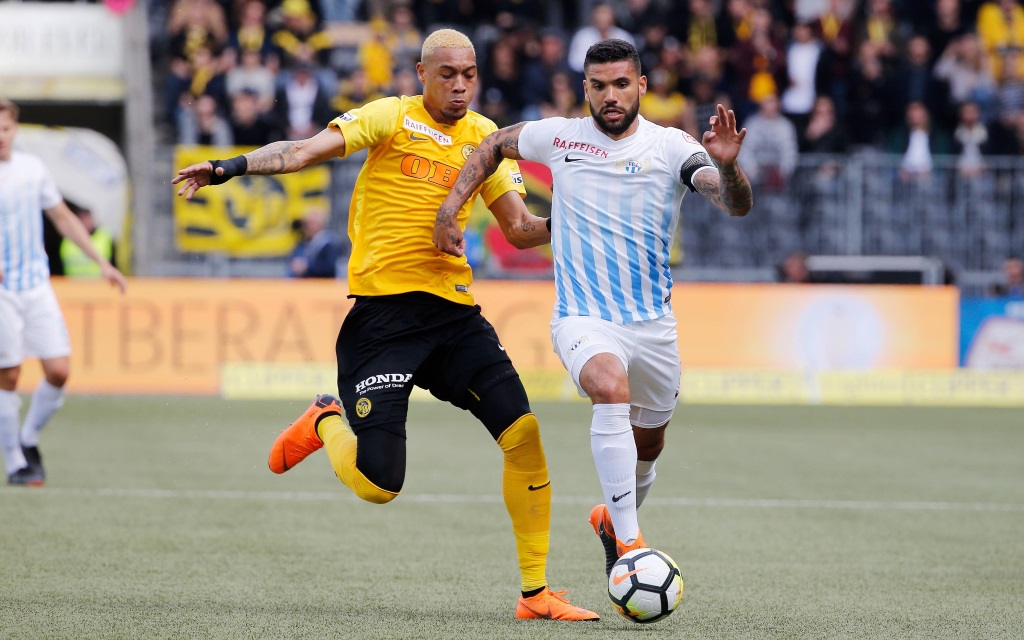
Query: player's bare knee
9	378
58	378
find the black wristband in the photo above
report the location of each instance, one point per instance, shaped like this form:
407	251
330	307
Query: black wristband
547	223
236	166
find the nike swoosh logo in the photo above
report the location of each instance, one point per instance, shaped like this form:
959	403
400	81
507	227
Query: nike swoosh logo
416	137
533	488
617	498
568	159
501	347
617	580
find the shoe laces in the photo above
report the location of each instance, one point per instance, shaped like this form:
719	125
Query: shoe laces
558	595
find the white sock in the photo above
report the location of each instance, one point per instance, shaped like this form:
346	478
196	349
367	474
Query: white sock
45	401
14	459
611	441
645	475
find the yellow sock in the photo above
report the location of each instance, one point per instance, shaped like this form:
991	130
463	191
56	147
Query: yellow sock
341	445
527	492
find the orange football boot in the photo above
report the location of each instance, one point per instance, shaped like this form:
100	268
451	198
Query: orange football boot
301	439
601	520
551	605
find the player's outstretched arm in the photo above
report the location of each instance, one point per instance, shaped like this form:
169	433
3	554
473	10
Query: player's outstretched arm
70	227
501	144
728	188
286	156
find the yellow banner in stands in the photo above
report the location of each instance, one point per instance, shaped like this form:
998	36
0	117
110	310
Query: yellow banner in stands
249	216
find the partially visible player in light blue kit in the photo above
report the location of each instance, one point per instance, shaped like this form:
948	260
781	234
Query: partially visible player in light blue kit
619	181
31	323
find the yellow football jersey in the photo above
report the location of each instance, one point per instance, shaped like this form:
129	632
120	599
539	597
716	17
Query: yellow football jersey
412	164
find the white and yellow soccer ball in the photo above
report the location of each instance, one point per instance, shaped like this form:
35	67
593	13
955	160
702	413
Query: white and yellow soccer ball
645	585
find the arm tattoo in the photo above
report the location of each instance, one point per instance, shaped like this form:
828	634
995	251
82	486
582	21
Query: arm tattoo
728	189
274	158
481	164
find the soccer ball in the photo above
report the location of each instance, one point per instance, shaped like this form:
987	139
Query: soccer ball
645	585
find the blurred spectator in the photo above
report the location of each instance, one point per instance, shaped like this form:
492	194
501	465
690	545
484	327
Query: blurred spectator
193	24
1000	30
1013	283
870	102
252	33
663	104
823	133
701	29
945	26
299	38
253	77
770	151
969	139
966	70
1007	134
1010	92
75	263
564	102
402	37
879	27
501	97
834	28
734	23
301	106
918	141
375	57
202	124
249	126
914	81
187	81
354	92
801	67
759	64
539	72
635	15
793	269
407	84
602	27
318	251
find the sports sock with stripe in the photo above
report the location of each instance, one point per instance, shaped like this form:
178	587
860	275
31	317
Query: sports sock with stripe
342	446
526	489
14	459
46	399
614	450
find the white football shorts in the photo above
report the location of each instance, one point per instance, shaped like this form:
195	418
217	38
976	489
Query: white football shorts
649	351
31	325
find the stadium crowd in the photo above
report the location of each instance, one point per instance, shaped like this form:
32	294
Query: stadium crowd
905	76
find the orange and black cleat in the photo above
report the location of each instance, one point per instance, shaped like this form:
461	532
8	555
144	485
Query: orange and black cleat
301	439
601	520
551	605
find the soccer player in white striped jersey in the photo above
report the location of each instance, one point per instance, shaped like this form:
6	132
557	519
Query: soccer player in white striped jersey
619	181
30	319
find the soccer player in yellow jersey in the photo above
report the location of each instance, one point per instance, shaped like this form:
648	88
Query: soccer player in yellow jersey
414	321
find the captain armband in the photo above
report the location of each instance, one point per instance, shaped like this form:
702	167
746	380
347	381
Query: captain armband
695	162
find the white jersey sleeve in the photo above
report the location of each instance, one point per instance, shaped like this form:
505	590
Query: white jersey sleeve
535	139
688	156
49	194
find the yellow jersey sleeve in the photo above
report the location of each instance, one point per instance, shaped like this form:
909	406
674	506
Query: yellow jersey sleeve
504	179
369	125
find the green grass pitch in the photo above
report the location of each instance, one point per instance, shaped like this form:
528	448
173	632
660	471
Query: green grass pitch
161	520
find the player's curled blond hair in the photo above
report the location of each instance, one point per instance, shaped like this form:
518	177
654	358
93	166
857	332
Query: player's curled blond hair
445	39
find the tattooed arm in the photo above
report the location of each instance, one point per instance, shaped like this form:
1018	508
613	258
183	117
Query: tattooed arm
503	143
286	156
727	188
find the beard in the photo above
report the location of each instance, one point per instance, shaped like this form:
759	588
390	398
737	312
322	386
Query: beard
615	128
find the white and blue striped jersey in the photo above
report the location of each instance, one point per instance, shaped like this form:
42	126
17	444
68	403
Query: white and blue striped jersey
26	188
614	211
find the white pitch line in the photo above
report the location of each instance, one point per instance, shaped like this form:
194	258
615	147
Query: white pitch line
341	496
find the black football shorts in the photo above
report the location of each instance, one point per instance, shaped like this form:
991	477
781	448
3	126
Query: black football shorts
387	344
